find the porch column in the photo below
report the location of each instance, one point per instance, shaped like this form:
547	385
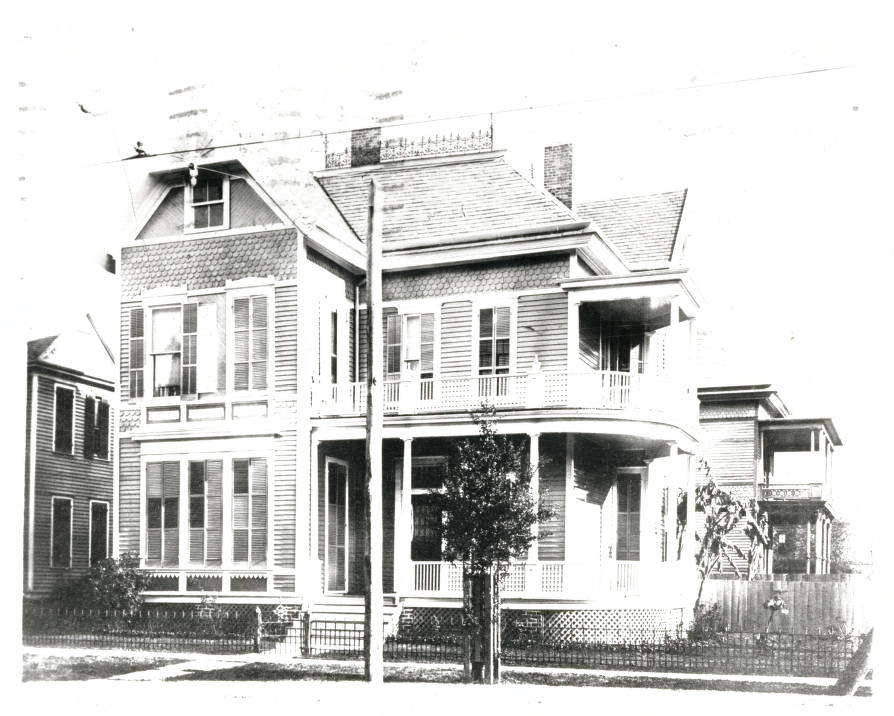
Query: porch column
573	338
807	546
314	576
404	532
534	460
818	538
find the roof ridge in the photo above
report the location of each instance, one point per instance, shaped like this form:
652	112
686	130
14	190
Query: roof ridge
637	196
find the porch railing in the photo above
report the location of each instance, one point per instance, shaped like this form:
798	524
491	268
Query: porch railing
535	579
809	491
598	390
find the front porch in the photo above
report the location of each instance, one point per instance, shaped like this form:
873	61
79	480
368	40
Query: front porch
615	536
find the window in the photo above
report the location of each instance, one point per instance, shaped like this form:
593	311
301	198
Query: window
427	475
333	347
162	513
96	428
136	353
63	419
493	350
250	511
392	346
628	517
99	531
410	346
60	533
250	343
208	208
167	343
205	511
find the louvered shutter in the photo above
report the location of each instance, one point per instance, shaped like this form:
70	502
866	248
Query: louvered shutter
427	346
197	512
240	510
214	511
241	337
102	431
89	427
259	342
188	348
392	344
258	476
154	498
136	353
171	526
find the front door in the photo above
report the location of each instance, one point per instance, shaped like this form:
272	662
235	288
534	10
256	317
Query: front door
336	525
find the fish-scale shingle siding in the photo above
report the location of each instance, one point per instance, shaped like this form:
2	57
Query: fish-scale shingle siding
200	263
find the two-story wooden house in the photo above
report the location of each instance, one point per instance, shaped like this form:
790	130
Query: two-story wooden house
243	376
69	458
756	449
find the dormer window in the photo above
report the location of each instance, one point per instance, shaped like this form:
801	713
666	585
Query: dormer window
208	202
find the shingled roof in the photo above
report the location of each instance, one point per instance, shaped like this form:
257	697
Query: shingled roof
643	228
443	200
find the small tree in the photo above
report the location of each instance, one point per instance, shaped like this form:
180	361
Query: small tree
488	516
109	584
724	515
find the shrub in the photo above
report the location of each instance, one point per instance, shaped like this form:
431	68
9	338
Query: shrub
109	584
707	624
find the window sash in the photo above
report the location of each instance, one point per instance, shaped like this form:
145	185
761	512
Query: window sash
99	531
628	518
163	513
60	532
494	337
63	433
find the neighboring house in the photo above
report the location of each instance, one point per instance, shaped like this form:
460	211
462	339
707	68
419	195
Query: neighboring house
69	458
756	449
243	377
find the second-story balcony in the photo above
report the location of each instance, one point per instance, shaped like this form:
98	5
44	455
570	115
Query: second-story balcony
618	392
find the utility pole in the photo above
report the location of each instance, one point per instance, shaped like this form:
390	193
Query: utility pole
373	656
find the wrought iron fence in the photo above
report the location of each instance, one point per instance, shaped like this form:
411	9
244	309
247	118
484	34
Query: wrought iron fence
283	630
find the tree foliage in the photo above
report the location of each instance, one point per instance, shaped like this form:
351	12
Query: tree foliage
486	502
109	584
723	516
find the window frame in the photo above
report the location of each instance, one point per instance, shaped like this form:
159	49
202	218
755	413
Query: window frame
627	473
477	307
74	395
421	461
168	305
70	500
90	529
189	206
328	460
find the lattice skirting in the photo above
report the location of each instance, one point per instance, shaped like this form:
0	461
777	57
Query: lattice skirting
554	626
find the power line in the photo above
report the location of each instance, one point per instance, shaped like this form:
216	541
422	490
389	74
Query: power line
510	110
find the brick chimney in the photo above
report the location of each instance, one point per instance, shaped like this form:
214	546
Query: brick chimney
557	172
366	146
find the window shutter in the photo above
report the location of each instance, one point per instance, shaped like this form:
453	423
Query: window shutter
258	475
64	399
241	339
188	358
392	331
214	510
154	497
89	428
240	510
427	345
171	486
61	538
137	359
197	512
102	431
258	342
206	348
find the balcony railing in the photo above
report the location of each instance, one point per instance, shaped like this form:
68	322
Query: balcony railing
535	579
809	491
598	390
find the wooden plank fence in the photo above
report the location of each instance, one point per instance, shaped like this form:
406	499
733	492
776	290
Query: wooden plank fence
815	603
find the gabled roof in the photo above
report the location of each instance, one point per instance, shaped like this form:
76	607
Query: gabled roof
444	199
643	228
79	351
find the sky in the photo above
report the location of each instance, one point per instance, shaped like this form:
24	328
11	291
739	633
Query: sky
771	114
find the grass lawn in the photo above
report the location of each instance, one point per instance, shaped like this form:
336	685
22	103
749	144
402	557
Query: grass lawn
45	667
